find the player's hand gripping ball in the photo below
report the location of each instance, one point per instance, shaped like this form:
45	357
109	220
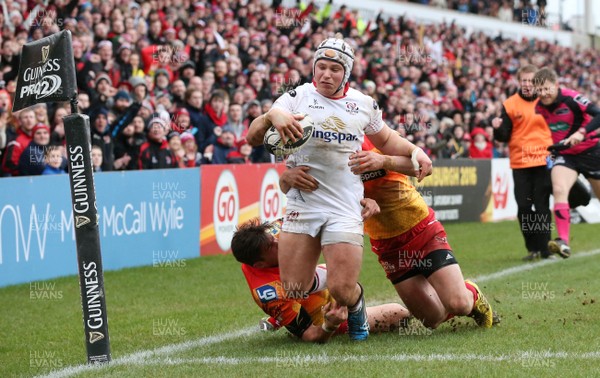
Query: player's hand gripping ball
274	144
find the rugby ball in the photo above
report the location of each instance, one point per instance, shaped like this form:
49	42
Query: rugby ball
275	145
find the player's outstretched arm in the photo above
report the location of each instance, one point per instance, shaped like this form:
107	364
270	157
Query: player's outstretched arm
390	143
368	161
286	123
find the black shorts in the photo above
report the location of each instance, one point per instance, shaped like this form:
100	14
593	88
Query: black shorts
586	162
430	264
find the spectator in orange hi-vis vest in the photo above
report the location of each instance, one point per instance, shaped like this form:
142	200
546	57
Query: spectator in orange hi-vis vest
528	136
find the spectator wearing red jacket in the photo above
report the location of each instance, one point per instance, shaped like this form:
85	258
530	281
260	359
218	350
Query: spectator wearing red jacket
14	149
32	160
481	147
155	153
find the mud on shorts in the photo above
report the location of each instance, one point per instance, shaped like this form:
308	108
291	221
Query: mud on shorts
422	250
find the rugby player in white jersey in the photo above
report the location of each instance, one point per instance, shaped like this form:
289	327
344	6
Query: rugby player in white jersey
329	219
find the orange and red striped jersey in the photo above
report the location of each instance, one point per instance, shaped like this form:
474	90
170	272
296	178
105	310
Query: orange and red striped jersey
402	207
269	294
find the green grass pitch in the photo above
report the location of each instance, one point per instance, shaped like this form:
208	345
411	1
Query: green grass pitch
196	318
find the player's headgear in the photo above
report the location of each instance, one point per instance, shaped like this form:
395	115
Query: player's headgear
339	51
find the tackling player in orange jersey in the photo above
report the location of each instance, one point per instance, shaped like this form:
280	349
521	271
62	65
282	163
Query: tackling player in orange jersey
314	316
410	242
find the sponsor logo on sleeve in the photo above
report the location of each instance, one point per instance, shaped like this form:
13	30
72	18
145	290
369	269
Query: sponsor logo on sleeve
266	293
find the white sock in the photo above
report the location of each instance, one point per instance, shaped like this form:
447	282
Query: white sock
320	280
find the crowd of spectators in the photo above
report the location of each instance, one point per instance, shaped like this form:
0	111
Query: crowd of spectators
171	83
530	12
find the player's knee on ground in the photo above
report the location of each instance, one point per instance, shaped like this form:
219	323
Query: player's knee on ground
432	322
460	304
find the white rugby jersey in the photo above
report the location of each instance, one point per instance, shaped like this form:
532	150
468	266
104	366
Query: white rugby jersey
340	127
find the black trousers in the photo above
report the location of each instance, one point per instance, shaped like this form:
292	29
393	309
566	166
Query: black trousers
532	193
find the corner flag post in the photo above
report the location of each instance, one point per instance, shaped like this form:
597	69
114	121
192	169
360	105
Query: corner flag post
47	74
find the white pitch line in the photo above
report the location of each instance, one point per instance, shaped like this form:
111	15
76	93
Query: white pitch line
526	267
531	357
141	357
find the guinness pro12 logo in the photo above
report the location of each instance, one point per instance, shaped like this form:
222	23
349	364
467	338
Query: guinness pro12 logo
39	80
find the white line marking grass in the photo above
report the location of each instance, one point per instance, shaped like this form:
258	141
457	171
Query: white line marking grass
525	356
150	357
526	267
145	356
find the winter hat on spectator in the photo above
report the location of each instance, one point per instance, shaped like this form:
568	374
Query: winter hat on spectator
148	105
39	126
218	93
86	6
71	21
477	131
125	84
253	103
161	71
124	46
185	136
369	85
171	135
136	80
100	111
154	120
122	95
228	129
17	14
284	40
181	112
163	93
336	50
105	43
187	64
102	76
